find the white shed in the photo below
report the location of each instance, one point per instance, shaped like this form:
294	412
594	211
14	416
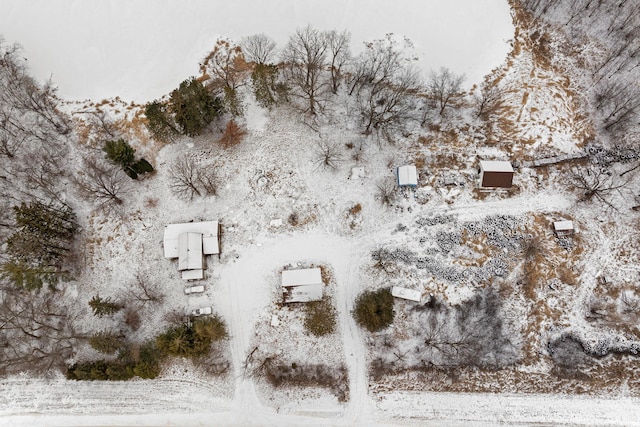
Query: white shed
302	285
563	228
407	176
408	294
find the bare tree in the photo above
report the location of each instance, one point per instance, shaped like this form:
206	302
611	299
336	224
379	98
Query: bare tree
443	87
339	55
488	99
304	60
225	65
36	332
258	48
144	291
619	105
184	178
327	155
386	191
208	180
385	82
103	182
597	183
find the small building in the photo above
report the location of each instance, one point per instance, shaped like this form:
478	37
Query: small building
408	294
302	285
407	176
190	242
563	228
496	174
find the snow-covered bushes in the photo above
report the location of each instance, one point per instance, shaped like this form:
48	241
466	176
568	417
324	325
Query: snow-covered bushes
320	317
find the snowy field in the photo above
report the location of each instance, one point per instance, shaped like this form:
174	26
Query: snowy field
140	50
124	49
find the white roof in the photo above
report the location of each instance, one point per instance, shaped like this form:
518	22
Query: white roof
194	275
190	251
495	166
407	175
404	293
563	225
208	229
302	285
303	276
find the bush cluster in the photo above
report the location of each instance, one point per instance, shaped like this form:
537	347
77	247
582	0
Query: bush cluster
374	309
192	340
143	362
320	317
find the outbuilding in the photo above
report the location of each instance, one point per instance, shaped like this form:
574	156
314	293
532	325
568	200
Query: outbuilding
302	285
495	174
563	228
407	176
408	294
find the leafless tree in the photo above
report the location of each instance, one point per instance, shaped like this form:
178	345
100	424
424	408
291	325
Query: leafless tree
488	99
385	83
144	291
184	178
443	87
208	180
304	59
339	55
103	182
106	129
36	332
225	65
597	183
327	155
386	191
258	48
619	105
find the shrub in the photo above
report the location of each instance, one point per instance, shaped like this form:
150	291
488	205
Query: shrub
192	340
212	327
233	134
142	166
320	317
374	310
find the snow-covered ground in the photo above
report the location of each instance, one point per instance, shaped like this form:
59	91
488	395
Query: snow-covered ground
270	175
140	50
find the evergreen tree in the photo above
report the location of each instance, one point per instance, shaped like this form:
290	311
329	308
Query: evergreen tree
120	152
160	122
263	81
103	306
40	246
194	107
106	342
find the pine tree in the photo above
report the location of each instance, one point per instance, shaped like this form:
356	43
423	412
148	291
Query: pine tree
120	152
106	342
194	107
104	306
160	122
40	246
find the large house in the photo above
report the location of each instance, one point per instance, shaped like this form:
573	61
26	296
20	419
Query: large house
190	242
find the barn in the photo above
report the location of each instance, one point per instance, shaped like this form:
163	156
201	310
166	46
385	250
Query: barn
407	176
495	174
302	285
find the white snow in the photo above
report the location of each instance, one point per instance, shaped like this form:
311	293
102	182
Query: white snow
141	50
495	166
